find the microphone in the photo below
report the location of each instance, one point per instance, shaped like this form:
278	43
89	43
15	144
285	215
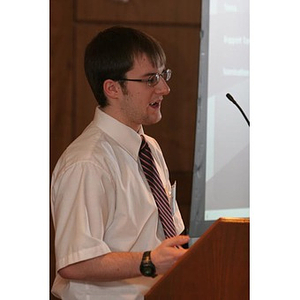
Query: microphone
237	105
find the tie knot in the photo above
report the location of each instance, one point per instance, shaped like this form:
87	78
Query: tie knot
143	144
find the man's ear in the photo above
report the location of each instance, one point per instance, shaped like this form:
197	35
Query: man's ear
111	89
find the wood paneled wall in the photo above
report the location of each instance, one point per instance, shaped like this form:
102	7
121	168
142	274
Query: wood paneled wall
176	24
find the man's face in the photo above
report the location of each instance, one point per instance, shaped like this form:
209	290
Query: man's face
141	104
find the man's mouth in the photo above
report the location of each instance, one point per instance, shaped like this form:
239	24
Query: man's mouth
155	104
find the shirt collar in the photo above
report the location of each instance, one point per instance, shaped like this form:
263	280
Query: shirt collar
125	136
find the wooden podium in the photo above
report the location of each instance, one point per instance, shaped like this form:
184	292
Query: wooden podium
216	267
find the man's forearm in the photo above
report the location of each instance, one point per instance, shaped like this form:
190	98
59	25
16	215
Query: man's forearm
108	267
120	265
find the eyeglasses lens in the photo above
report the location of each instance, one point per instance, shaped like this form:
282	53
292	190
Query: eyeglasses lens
166	74
154	79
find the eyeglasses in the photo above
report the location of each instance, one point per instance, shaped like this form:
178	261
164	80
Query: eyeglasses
153	78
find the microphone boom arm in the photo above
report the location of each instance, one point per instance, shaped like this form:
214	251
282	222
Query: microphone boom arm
237	105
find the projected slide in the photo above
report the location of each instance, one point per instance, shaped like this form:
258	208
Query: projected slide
227	144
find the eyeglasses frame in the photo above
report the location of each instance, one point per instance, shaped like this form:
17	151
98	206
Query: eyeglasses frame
168	73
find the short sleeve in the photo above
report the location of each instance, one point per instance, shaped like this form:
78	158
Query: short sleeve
82	199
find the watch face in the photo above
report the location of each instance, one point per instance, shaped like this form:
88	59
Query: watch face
147	268
148	271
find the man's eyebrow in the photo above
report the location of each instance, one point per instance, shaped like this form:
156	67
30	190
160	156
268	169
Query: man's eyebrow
152	73
149	74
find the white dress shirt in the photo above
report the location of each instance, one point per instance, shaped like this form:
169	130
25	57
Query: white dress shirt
101	203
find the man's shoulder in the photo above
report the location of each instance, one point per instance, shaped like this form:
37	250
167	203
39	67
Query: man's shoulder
89	147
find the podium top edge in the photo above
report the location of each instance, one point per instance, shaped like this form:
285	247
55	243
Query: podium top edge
234	220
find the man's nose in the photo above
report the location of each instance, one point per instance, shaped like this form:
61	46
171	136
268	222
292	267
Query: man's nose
162	87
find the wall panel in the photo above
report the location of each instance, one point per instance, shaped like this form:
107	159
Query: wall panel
139	11
61	77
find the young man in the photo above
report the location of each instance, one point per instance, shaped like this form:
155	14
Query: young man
110	238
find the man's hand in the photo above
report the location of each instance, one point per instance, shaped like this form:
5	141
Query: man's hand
168	252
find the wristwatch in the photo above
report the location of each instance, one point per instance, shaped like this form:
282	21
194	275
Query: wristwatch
147	267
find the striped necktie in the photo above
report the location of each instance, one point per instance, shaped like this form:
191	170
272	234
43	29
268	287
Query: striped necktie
157	189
